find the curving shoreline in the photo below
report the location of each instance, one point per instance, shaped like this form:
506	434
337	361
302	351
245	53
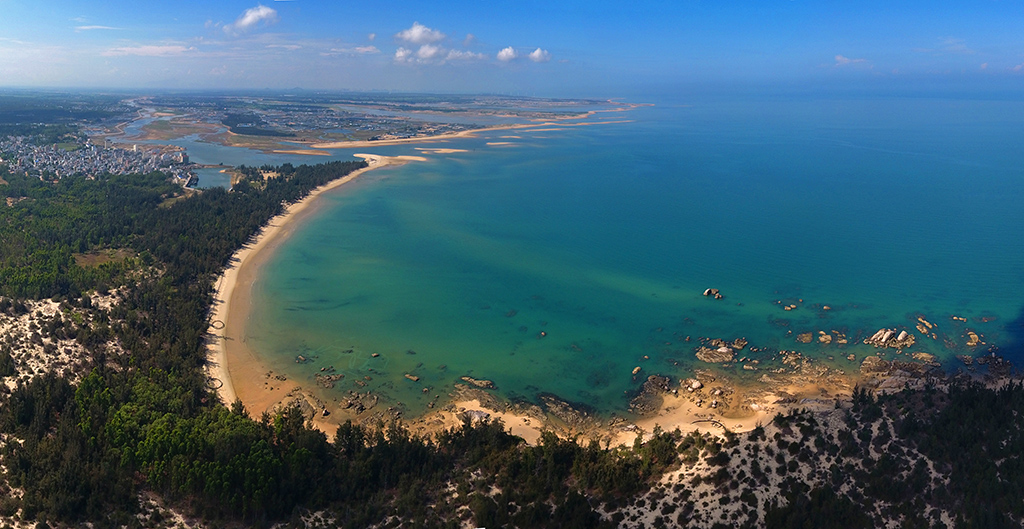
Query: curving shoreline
244	376
238	369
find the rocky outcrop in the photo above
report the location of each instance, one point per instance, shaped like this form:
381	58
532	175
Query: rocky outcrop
891	338
649	400
327	381
720	355
713	293
482	384
874	366
573	415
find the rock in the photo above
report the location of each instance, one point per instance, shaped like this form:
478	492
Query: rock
824	338
711	292
695	385
636	370
967	360
414	378
973	339
874	365
327	381
805	337
649	399
715	356
890	338
482	384
924	357
572	414
476	415
739	343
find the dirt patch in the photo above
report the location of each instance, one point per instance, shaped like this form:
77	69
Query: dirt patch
98	257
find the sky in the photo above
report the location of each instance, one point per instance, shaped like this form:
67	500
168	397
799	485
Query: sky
539	48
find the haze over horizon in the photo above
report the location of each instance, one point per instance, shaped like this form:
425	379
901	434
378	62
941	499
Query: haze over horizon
526	48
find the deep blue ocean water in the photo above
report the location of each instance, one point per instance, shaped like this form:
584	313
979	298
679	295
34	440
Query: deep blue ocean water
557	260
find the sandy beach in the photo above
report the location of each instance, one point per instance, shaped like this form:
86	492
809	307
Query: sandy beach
234	369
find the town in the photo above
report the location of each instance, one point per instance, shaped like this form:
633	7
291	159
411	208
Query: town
55	161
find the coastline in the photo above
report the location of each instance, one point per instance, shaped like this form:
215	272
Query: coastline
244	376
239	371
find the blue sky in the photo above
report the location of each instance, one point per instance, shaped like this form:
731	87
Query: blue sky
524	47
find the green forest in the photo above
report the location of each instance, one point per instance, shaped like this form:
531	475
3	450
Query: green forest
147	421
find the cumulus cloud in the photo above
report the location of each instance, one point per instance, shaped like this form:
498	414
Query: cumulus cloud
507	54
364	50
539	55
843	61
469	40
251	18
420	34
428	52
403	54
148	51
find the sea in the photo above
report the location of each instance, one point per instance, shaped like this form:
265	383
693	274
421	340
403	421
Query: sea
558	259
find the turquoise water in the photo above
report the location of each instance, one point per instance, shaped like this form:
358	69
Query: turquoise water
557	263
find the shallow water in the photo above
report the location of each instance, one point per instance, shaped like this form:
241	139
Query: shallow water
558	262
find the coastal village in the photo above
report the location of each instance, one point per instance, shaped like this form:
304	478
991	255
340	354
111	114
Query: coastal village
54	161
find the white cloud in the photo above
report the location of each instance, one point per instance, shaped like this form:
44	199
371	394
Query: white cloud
290	47
148	51
539	55
371	36
403	55
507	54
843	61
1018	68
251	18
456	55
428	52
358	50
420	34
90	28
984	66
469	41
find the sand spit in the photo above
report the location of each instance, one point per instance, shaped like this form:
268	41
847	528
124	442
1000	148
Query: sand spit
456	135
